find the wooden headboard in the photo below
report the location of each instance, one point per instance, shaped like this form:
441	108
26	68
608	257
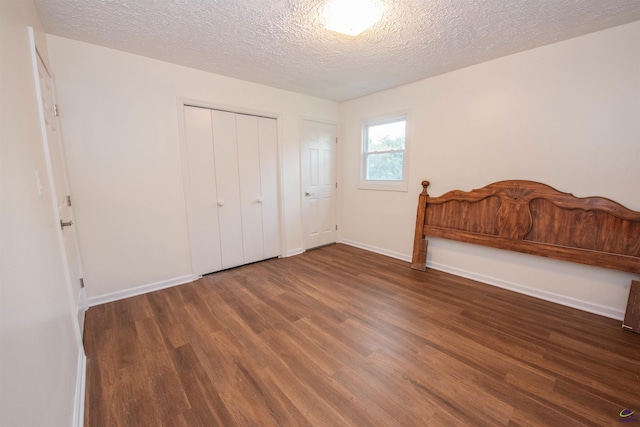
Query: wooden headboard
533	218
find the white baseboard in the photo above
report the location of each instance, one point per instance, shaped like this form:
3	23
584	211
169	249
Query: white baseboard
81	382
294	252
587	306
382	251
139	290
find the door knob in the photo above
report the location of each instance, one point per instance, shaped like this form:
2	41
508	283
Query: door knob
220	203
64	224
259	200
306	193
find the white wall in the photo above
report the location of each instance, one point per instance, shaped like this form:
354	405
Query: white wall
39	348
567	115
119	116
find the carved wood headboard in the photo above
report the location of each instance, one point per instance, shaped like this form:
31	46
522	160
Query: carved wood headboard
533	218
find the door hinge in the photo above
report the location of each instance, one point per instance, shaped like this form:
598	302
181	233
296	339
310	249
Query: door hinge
336	185
336	139
68	200
81	282
336	227
55	110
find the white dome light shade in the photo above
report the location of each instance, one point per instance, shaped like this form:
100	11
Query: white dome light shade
352	17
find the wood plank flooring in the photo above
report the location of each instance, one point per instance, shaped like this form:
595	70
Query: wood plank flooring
343	337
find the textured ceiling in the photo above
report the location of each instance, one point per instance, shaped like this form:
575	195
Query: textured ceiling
282	43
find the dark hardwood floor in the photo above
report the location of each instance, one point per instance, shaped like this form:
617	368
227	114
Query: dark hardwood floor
343	337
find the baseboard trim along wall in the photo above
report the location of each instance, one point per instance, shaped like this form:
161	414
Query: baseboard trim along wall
381	251
587	306
81	382
294	252
139	290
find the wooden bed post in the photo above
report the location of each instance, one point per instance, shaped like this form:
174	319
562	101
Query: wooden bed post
419	259
632	314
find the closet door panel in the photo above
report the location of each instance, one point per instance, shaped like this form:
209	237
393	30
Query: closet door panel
228	187
251	197
268	136
203	210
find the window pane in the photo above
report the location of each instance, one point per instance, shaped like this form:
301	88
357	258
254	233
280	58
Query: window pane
386	137
384	167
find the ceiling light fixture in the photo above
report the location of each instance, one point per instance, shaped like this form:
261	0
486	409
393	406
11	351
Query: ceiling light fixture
351	17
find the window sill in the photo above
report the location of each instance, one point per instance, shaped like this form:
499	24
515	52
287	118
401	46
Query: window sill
383	185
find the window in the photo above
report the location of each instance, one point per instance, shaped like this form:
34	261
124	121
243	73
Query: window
384	154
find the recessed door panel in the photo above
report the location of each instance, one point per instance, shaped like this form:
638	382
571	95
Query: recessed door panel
325	211
314	225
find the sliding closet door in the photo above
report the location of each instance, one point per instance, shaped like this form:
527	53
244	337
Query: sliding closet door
228	188
203	210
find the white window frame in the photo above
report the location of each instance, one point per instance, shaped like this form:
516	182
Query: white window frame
369	184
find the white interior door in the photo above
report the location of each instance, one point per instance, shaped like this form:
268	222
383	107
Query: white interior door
268	135
319	183
250	186
225	148
59	181
206	254
231	186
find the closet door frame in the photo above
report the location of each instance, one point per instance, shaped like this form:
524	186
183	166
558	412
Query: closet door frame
181	103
